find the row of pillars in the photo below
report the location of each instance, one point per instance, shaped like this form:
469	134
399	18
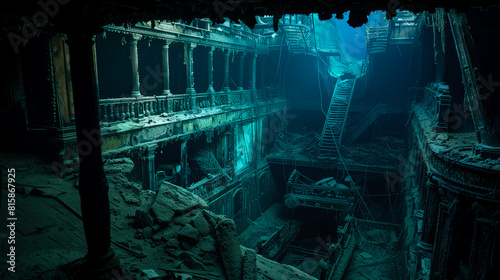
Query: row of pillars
438	241
435	231
93	189
188	60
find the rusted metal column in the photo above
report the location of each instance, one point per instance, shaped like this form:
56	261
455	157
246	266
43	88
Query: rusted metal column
476	94
134	58
93	187
166	69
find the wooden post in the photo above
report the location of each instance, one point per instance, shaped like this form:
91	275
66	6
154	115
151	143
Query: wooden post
93	183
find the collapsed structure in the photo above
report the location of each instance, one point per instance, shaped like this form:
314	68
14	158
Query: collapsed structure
199	129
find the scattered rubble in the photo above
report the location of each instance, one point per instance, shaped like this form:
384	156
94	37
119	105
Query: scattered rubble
190	240
142	219
150	274
118	165
330	181
375	256
169	234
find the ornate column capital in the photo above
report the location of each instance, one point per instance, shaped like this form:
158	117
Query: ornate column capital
136	37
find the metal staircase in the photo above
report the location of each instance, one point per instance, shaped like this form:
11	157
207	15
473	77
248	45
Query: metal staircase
295	39
377	37
336	118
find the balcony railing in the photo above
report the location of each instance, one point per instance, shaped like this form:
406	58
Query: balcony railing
239	33
115	110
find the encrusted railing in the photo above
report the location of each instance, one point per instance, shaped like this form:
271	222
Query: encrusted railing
186	29
122	109
203	101
240	33
274	92
376	38
461	176
209	186
297	36
276	245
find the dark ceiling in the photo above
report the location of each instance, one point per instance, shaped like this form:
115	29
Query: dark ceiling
71	15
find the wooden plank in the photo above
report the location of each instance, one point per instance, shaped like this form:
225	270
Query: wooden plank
31	215
64	218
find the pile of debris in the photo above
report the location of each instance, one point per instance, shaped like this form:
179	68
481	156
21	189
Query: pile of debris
192	241
378	254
